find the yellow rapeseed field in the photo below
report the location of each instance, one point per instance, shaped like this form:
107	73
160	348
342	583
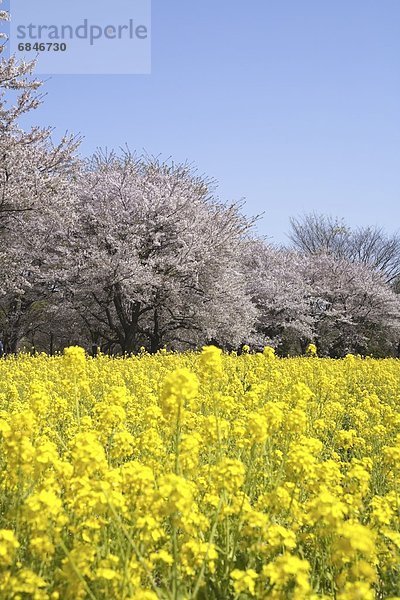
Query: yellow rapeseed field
199	475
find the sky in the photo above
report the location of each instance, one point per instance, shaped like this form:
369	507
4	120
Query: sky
292	105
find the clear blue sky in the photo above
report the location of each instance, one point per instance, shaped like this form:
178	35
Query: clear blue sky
292	104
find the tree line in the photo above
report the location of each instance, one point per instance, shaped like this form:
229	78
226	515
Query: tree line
121	251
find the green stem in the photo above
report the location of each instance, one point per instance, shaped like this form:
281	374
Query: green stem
135	549
78	412
203	566
78	573
173	524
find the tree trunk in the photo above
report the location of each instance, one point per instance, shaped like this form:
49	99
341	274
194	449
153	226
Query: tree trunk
155	336
13	343
130	341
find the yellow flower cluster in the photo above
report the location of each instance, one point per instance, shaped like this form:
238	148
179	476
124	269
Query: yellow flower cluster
199	475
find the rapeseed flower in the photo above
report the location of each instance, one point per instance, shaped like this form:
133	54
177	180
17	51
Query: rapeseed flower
199	475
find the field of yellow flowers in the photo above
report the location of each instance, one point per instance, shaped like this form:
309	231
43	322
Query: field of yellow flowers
199	475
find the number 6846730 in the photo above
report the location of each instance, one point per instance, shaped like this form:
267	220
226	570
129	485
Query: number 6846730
42	47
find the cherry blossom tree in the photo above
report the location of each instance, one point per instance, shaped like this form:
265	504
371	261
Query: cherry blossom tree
36	180
155	257
341	305
352	306
281	296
